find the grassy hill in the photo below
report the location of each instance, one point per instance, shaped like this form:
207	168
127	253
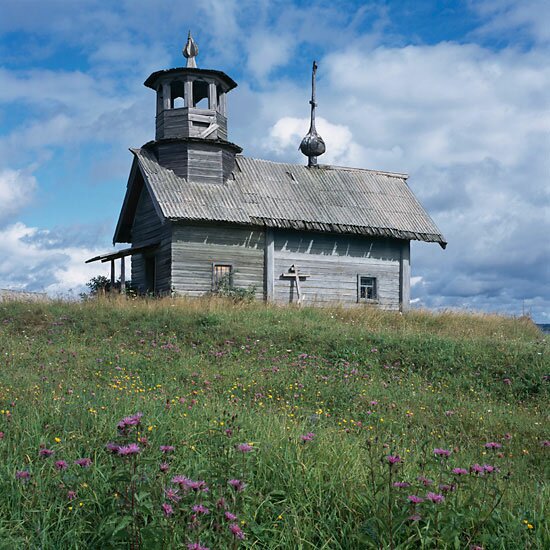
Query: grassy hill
270	428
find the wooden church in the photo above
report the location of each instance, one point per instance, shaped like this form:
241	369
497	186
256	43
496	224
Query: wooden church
198	212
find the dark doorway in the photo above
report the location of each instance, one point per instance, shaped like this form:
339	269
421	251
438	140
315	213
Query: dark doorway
150	274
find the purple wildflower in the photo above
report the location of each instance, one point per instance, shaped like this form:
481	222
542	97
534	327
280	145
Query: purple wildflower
167	509
236	530
172	494
71	495
129	421
445	453
196	546
435	498
490	469
167	448
61	465
201	509
426	481
230	517
127	450
22	474
112	447
445	488
46	452
477	469
307	437
401	484
393	459
460	471
83	462
244	448
415	499
164	467
189	484
493	445
237	484
415	517
545	443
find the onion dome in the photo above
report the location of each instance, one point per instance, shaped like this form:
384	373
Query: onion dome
312	145
190	51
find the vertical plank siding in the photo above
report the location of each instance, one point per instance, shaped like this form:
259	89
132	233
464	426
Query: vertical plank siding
196	248
333	263
148	228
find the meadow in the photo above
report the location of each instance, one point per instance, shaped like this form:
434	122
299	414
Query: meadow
206	424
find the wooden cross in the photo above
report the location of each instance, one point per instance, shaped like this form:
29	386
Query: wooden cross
294	275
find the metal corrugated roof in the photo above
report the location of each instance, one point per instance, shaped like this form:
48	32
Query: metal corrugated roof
273	194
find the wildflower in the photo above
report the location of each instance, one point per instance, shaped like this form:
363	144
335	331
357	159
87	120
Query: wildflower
449	413
83	462
507	381
477	469
112	447
189	484
220	503
230	517
196	546
244	448
401	484
127	450
545	443
167	509
61	465
445	453
237	484
236	530
445	488
493	445
415	499
460	471
164	467
435	498
167	448
200	509
57	439
1	435
22	474
415	517
172	494
46	452
71	495
129	421
307	437
490	469
426	481
393	459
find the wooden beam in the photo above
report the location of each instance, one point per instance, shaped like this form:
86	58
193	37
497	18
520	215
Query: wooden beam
123	275
405	277
269	264
112	274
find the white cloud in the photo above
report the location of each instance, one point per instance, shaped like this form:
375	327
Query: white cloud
44	265
16	191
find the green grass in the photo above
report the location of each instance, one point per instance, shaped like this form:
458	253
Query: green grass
209	375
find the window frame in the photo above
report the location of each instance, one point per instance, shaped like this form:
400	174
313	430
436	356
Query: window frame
215	280
360	286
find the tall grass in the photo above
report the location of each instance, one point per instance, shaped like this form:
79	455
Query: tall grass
319	398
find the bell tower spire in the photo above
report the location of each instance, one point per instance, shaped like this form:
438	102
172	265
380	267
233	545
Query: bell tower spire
191	120
312	145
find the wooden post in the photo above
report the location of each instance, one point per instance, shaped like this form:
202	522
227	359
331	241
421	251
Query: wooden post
212	96
112	275
188	92
123	275
405	277
166	96
269	265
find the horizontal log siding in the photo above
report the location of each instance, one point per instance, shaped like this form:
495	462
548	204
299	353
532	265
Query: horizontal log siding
333	263
196	248
148	228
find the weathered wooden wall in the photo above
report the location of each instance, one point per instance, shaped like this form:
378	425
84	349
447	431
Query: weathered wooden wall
147	229
333	263
196	248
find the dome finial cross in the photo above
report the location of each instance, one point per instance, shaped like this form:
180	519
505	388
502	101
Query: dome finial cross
312	145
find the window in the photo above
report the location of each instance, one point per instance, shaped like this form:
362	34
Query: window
222	275
366	287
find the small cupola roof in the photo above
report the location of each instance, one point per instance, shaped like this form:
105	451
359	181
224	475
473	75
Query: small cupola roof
313	144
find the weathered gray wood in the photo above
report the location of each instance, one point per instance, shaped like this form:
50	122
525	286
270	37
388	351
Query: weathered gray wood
269	264
122	274
405	276
196	248
334	263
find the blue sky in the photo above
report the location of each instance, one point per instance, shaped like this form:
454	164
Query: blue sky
453	93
